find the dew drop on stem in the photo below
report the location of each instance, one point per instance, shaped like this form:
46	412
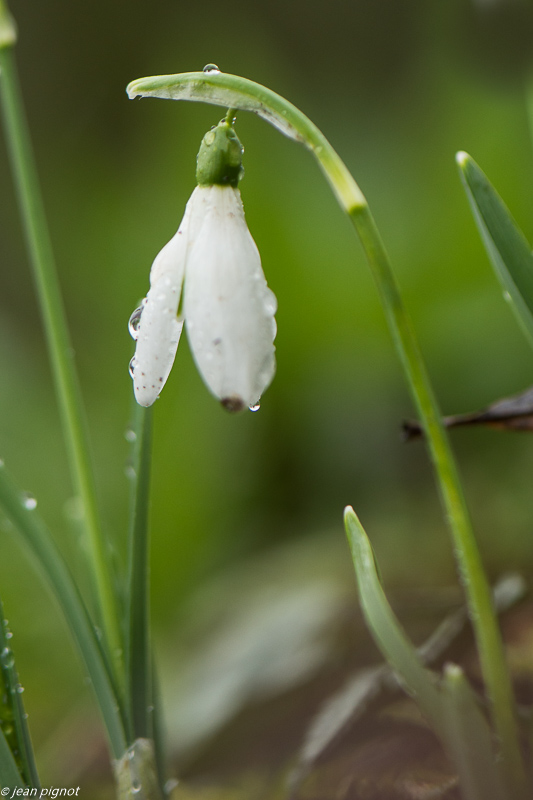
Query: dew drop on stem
255	407
29	501
130	435
211	69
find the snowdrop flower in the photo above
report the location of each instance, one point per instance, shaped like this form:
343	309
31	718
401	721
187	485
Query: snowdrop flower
209	276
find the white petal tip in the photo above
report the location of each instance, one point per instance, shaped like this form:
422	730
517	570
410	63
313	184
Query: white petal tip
146	395
144	401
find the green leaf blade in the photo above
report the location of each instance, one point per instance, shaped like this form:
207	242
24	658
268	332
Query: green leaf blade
506	245
45	552
10	777
470	739
387	631
12	704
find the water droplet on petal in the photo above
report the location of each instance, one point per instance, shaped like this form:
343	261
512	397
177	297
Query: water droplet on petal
211	69
271	303
132	366
135	321
29	501
255	407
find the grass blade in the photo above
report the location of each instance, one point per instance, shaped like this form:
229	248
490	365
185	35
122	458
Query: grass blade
38	539
505	243
60	351
21	745
9	775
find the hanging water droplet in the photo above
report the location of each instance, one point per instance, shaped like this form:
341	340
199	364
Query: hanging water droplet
135	321
130	435
211	69
135	788
29	501
255	407
132	366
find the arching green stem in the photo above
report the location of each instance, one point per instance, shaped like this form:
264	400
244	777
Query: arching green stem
234	92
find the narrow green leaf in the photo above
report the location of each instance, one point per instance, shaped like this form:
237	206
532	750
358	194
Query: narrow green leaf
386	629
60	352
506	245
13	708
470	740
9	775
37	537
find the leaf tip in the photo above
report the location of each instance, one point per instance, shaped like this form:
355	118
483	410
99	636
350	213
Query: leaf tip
349	515
453	672
131	90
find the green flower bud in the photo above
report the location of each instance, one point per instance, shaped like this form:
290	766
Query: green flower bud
219	159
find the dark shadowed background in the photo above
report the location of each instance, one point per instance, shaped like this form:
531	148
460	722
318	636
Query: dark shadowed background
398	86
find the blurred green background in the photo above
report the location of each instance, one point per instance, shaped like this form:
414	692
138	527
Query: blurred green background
398	86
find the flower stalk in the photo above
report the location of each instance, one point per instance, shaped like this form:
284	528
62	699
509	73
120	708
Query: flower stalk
239	93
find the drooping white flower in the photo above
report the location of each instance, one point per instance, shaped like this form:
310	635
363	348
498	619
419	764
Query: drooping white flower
211	270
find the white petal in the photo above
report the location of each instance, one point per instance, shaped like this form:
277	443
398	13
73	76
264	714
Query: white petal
229	309
158	332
